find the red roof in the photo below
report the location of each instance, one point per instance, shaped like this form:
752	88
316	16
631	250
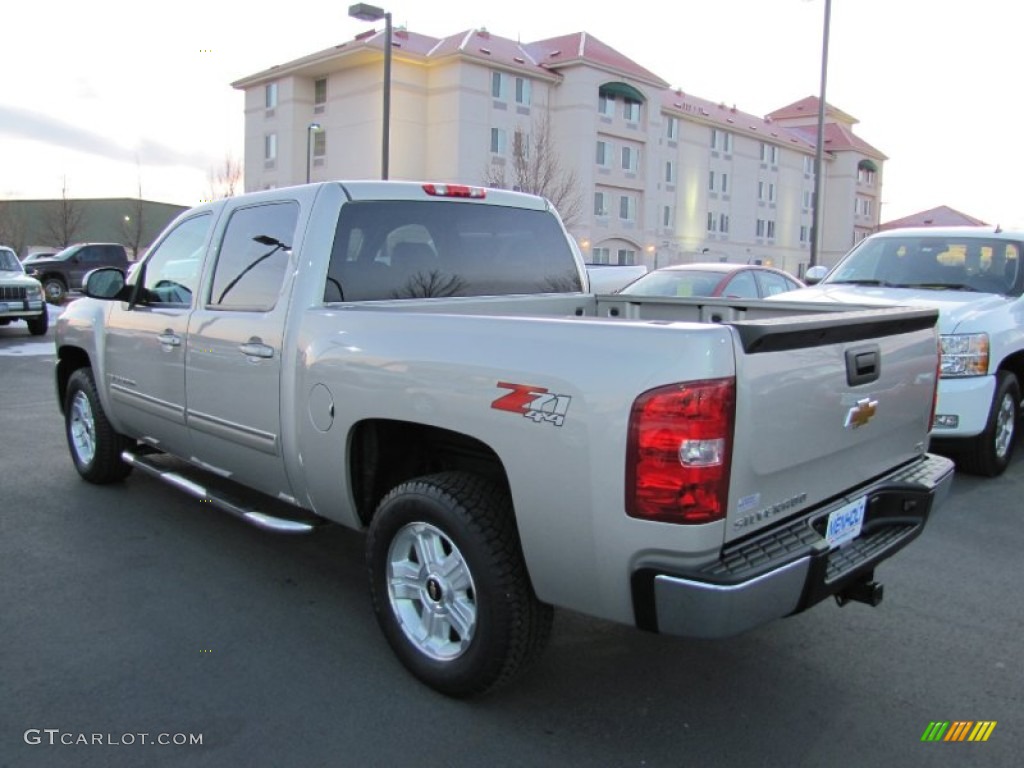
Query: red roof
730	118
943	216
808	107
583	47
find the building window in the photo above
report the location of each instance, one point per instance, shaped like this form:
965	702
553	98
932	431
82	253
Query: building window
320	91
627	257
866	176
498	141
721	140
630	159
670	172
520	144
769	153
770	229
672	128
759	228
631	110
808	199
760	191
604	154
711	180
270	147
601	256
627	208
666	218
712	222
808	165
523	90
499	89
725	183
319	143
723	222
605	105
771	193
270	94
803	233
600	204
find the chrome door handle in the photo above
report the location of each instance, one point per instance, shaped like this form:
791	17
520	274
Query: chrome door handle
256	349
169	339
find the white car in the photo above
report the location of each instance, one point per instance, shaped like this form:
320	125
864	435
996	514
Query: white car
21	297
973	276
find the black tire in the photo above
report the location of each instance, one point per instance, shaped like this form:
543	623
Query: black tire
54	289
478	620
38	326
989	453
95	446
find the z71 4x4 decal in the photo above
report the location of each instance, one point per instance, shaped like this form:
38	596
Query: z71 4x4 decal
534	403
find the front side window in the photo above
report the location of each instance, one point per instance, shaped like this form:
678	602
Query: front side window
253	258
171	270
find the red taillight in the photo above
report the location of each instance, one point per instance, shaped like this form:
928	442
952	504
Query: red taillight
679	452
455	190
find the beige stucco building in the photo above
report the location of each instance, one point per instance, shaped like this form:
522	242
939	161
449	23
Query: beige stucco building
663	176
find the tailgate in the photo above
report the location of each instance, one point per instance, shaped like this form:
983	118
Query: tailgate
825	403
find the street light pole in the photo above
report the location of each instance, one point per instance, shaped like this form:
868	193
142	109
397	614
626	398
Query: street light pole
366	12
309	136
820	146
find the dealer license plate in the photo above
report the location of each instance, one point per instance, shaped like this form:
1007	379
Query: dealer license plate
844	524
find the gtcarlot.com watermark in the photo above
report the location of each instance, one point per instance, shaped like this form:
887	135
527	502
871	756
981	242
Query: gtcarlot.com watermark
55	736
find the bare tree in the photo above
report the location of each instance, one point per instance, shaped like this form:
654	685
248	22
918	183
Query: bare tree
12	229
132	225
225	179
537	168
63	222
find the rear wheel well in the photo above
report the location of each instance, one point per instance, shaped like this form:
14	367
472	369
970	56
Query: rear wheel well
385	453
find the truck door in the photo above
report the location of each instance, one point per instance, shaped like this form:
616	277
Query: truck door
144	354
233	379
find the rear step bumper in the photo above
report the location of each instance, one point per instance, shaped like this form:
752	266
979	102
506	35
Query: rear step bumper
219	494
790	567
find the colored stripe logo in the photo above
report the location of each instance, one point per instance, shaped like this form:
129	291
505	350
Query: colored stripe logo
959	730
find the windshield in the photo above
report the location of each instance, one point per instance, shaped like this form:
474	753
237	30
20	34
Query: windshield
675	283
968	262
9	262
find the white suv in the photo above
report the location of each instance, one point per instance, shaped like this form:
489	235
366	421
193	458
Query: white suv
21	297
974	276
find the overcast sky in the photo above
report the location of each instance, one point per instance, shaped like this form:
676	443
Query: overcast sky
107	93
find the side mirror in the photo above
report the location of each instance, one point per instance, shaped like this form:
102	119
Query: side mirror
815	274
107	283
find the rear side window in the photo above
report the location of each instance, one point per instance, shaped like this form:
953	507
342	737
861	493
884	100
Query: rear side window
434	249
253	258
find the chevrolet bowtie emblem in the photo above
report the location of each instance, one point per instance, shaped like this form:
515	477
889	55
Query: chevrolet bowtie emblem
861	413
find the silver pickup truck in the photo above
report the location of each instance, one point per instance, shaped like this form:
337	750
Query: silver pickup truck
426	363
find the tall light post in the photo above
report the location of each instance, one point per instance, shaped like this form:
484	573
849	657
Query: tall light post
366	12
310	129
819	149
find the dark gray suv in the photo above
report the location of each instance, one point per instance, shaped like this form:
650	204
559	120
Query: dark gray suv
66	271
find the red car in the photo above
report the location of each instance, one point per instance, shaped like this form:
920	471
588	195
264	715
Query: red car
742	281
